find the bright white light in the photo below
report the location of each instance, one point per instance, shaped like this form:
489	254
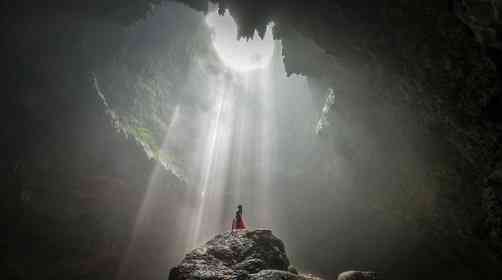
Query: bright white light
241	55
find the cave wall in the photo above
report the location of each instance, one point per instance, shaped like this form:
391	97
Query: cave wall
72	184
437	59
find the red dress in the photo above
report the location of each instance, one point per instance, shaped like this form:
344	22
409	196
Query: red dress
238	222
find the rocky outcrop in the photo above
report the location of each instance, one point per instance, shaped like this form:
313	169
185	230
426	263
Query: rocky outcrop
256	254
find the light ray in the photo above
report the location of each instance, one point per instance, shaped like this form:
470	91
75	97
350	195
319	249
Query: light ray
208	167
145	207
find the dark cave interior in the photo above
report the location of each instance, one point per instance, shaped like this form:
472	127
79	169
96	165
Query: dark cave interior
406	181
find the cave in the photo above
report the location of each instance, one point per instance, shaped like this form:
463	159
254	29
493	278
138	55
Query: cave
365	134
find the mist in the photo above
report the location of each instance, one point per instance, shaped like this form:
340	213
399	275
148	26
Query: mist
175	118
344	180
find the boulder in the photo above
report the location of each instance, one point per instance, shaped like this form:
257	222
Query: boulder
243	254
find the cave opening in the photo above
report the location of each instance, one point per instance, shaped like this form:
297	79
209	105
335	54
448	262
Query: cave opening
239	54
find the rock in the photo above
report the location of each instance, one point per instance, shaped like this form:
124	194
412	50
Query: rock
292	269
243	254
496	176
250	265
357	275
271	274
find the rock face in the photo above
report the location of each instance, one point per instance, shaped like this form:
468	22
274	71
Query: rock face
244	254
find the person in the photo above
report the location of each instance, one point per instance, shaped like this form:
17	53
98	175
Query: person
238	222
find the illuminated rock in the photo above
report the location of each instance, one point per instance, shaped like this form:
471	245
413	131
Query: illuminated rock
243	254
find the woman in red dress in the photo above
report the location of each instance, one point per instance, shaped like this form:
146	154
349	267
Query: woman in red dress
238	222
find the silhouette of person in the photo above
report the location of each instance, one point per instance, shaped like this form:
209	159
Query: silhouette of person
238	222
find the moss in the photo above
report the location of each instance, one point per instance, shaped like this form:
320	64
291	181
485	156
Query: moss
146	137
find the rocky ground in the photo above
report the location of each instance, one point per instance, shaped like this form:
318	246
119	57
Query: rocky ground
243	254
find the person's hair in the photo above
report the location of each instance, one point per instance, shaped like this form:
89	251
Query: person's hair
239	206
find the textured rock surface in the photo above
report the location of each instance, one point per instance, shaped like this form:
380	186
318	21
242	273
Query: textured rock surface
256	254
357	275
279	274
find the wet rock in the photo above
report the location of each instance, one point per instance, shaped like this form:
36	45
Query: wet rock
256	254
